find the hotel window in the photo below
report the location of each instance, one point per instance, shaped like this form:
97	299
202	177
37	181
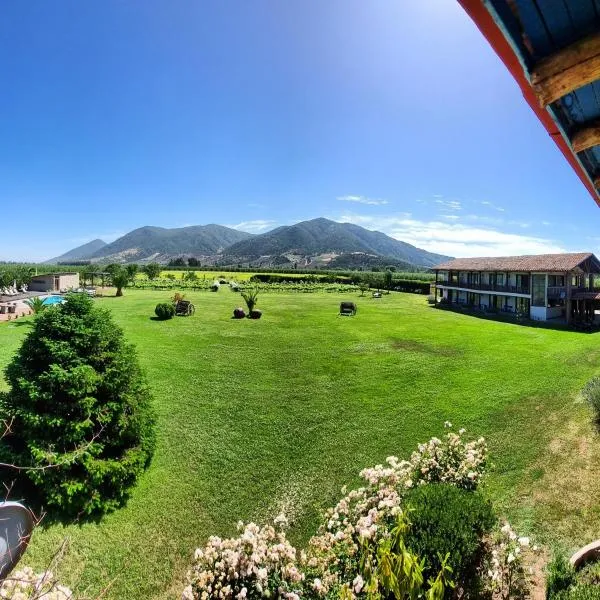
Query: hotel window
538	288
499	278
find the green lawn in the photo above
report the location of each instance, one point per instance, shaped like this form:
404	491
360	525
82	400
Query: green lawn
255	416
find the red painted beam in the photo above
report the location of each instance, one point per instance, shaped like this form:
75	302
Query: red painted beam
493	34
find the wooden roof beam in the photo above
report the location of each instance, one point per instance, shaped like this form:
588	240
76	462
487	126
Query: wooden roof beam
567	70
586	137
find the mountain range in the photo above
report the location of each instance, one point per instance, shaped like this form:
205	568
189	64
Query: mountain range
308	244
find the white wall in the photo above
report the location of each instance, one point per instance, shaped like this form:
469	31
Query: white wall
537	313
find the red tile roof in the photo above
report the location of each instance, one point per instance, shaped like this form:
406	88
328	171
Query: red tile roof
533	263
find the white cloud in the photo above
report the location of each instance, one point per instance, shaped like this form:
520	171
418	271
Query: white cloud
449	204
456	239
493	206
496	221
546	223
256	226
363	200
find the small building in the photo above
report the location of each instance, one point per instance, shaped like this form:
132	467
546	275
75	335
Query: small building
540	287
54	282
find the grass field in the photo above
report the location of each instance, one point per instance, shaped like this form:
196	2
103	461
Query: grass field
256	416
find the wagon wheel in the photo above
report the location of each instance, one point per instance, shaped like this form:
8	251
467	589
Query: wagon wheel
191	309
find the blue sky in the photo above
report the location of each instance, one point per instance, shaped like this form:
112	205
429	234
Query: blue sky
393	115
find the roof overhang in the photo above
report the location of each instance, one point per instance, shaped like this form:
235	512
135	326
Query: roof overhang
554	56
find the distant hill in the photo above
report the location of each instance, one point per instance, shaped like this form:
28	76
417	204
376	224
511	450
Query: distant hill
80	253
319	243
322	236
161	244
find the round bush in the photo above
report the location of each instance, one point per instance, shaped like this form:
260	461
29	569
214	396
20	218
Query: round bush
448	520
255	314
238	313
78	402
164	311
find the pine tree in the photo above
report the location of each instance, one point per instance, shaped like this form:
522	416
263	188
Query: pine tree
80	412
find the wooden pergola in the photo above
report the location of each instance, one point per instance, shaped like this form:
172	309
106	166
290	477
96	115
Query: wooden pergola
552	50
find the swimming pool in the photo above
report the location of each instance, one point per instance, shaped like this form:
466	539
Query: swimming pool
50	300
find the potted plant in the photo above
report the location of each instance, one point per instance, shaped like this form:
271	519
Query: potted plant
251	298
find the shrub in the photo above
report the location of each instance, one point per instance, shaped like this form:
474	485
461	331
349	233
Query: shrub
448	520
591	392
238	313
579	592
560	574
25	584
589	573
504	573
215	286
164	311
260	560
77	402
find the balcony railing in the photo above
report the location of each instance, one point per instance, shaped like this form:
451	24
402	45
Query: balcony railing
557	291
486	287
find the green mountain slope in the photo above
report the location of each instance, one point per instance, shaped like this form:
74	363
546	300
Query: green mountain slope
162	243
80	253
320	236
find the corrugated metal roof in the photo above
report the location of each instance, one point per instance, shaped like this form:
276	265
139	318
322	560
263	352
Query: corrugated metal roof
536	30
524	264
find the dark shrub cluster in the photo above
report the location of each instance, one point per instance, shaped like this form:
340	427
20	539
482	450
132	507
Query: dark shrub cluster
77	402
164	311
580	592
560	574
448	520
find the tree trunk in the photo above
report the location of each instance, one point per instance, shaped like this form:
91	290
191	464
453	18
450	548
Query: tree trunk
119	292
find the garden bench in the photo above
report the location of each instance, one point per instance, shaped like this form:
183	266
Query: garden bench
347	308
184	308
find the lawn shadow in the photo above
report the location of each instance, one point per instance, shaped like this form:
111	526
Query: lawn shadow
21	490
425	348
28	323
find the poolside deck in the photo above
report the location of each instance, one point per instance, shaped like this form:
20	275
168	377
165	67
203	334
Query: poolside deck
21	309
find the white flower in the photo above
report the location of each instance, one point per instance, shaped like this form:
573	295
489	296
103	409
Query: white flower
447	424
524	541
357	584
511	558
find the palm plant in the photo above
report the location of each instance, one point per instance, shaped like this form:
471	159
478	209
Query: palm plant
251	298
36	305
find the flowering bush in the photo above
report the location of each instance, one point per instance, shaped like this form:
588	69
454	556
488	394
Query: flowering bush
361	536
24	584
505	574
370	512
258	563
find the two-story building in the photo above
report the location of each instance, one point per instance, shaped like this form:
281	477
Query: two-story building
541	287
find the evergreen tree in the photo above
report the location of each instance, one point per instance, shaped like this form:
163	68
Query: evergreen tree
80	414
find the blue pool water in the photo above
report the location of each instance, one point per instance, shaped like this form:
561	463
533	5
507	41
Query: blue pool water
53	300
